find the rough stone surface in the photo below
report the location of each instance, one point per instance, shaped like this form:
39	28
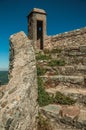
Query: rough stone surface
38	11
70	111
65	117
78	94
52	108
69	47
70	39
18	103
71	120
55	80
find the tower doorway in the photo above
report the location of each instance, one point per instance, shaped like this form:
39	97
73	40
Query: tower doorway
40	34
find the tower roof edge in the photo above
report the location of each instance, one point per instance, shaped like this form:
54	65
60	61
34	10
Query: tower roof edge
37	10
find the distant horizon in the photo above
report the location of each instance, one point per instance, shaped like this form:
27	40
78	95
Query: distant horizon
4	69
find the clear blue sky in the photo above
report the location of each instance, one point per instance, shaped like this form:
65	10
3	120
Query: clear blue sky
62	15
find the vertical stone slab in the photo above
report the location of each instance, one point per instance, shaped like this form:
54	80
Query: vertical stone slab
18	108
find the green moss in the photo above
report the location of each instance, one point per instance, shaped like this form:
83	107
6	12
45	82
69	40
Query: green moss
42	57
57	50
56	63
62	99
40	70
43	97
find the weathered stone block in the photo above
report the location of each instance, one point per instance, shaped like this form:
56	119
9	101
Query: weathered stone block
65	80
83	49
84	60
70	111
65	117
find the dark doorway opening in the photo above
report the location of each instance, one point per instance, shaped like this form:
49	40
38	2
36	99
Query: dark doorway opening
40	33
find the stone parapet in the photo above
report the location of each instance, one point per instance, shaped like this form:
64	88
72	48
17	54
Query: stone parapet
73	38
18	103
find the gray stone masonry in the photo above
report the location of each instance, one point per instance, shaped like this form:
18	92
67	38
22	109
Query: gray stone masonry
72	39
18	100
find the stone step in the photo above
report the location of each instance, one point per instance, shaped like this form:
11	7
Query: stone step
71	55
70	60
70	81
78	94
65	70
72	70
67	60
70	52
67	117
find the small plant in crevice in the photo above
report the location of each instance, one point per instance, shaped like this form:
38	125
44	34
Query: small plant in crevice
56	63
43	97
56	50
62	99
42	57
40	70
43	123
47	51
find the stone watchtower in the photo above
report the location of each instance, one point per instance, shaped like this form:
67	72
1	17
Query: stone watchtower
37	27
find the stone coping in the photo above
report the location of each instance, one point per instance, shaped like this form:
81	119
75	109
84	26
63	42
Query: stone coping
37	10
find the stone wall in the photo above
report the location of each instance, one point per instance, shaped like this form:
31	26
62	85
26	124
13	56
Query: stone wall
18	100
69	46
66	40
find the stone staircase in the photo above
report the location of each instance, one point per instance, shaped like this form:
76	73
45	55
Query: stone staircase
72	118
64	70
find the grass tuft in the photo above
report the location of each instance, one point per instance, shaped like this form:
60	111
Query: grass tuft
43	97
40	70
56	63
42	57
62	99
